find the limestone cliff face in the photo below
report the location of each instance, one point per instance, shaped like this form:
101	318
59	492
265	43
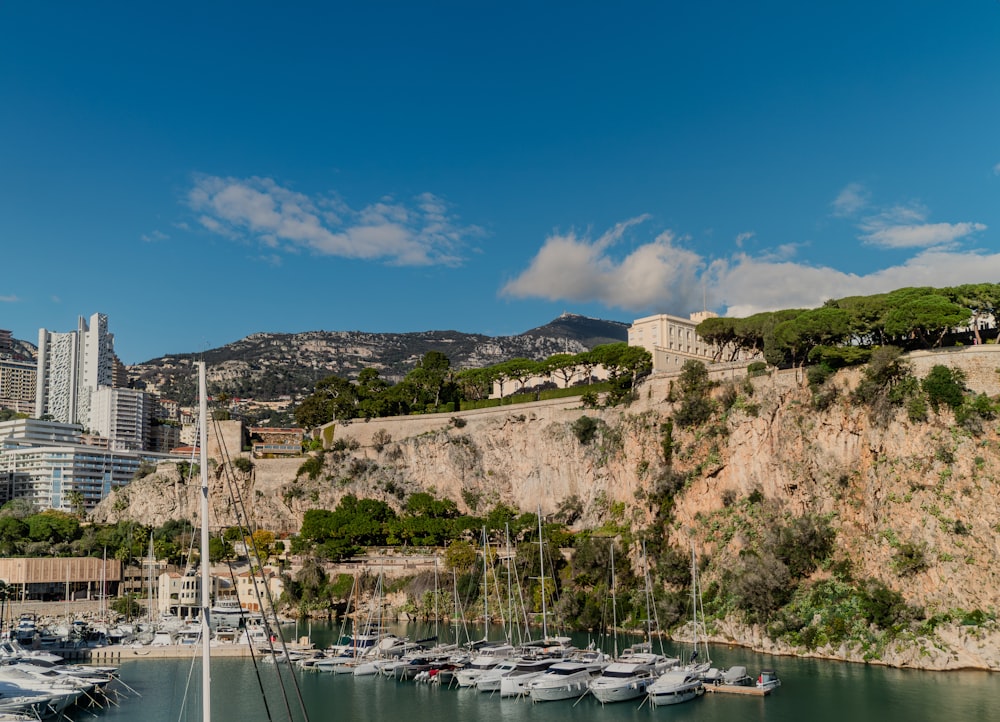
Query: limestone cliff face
930	485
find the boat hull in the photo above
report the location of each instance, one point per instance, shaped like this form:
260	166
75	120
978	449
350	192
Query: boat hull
677	696
631	689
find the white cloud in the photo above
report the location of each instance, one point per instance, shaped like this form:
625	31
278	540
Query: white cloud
745	285
419	233
851	199
659	277
905	227
996	169
571	268
921	236
9	299
743	237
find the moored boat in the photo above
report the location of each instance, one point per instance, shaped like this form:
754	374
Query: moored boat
675	686
629	677
569	679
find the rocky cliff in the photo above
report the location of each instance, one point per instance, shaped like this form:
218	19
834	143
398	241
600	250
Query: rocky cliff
929	490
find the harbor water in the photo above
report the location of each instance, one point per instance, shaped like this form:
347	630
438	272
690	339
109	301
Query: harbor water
814	690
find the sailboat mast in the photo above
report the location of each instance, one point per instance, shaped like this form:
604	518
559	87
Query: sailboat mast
437	617
510	589
149	603
206	576
486	592
541	572
614	601
694	600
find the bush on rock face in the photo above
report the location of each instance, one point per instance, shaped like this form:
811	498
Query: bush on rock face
585	429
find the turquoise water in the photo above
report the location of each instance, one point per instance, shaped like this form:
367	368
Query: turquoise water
812	690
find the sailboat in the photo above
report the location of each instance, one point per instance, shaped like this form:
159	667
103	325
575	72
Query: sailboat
547	651
630	674
684	683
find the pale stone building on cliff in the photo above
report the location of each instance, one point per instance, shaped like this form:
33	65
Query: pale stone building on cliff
671	340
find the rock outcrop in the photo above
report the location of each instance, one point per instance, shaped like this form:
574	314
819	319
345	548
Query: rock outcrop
932	486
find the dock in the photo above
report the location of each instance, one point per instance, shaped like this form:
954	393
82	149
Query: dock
117	653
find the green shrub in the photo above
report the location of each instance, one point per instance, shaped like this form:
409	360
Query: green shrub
910	559
804	543
818	374
311	467
886	384
585	429
694	411
944	385
667	441
916	410
760	583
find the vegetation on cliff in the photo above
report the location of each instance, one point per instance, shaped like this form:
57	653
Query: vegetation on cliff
434	386
843	331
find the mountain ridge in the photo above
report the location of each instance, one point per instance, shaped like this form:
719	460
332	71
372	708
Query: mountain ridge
272	365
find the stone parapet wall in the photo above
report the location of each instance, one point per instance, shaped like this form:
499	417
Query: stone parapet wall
980	364
402	427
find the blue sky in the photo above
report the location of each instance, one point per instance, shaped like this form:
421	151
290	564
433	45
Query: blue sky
203	171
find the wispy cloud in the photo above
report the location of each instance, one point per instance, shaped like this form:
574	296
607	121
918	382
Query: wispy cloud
660	277
853	198
421	231
743	237
9	299
996	169
905	227
154	237
900	226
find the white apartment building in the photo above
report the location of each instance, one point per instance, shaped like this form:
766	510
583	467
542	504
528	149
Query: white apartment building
71	366
180	594
46	463
122	416
671	340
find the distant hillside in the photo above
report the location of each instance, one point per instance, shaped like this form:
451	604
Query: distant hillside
266	366
588	331
20	350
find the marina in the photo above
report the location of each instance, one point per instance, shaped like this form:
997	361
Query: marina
820	690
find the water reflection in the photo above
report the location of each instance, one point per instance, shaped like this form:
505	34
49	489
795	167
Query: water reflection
814	690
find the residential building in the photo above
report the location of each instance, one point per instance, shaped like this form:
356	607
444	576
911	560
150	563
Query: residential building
671	340
56	377
180	593
17	385
71	366
122	416
47	463
163	437
168	409
258	589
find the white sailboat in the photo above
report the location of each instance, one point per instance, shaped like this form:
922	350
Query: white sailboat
684	683
629	675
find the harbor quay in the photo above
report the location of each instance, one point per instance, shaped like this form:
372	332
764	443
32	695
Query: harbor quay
117	653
